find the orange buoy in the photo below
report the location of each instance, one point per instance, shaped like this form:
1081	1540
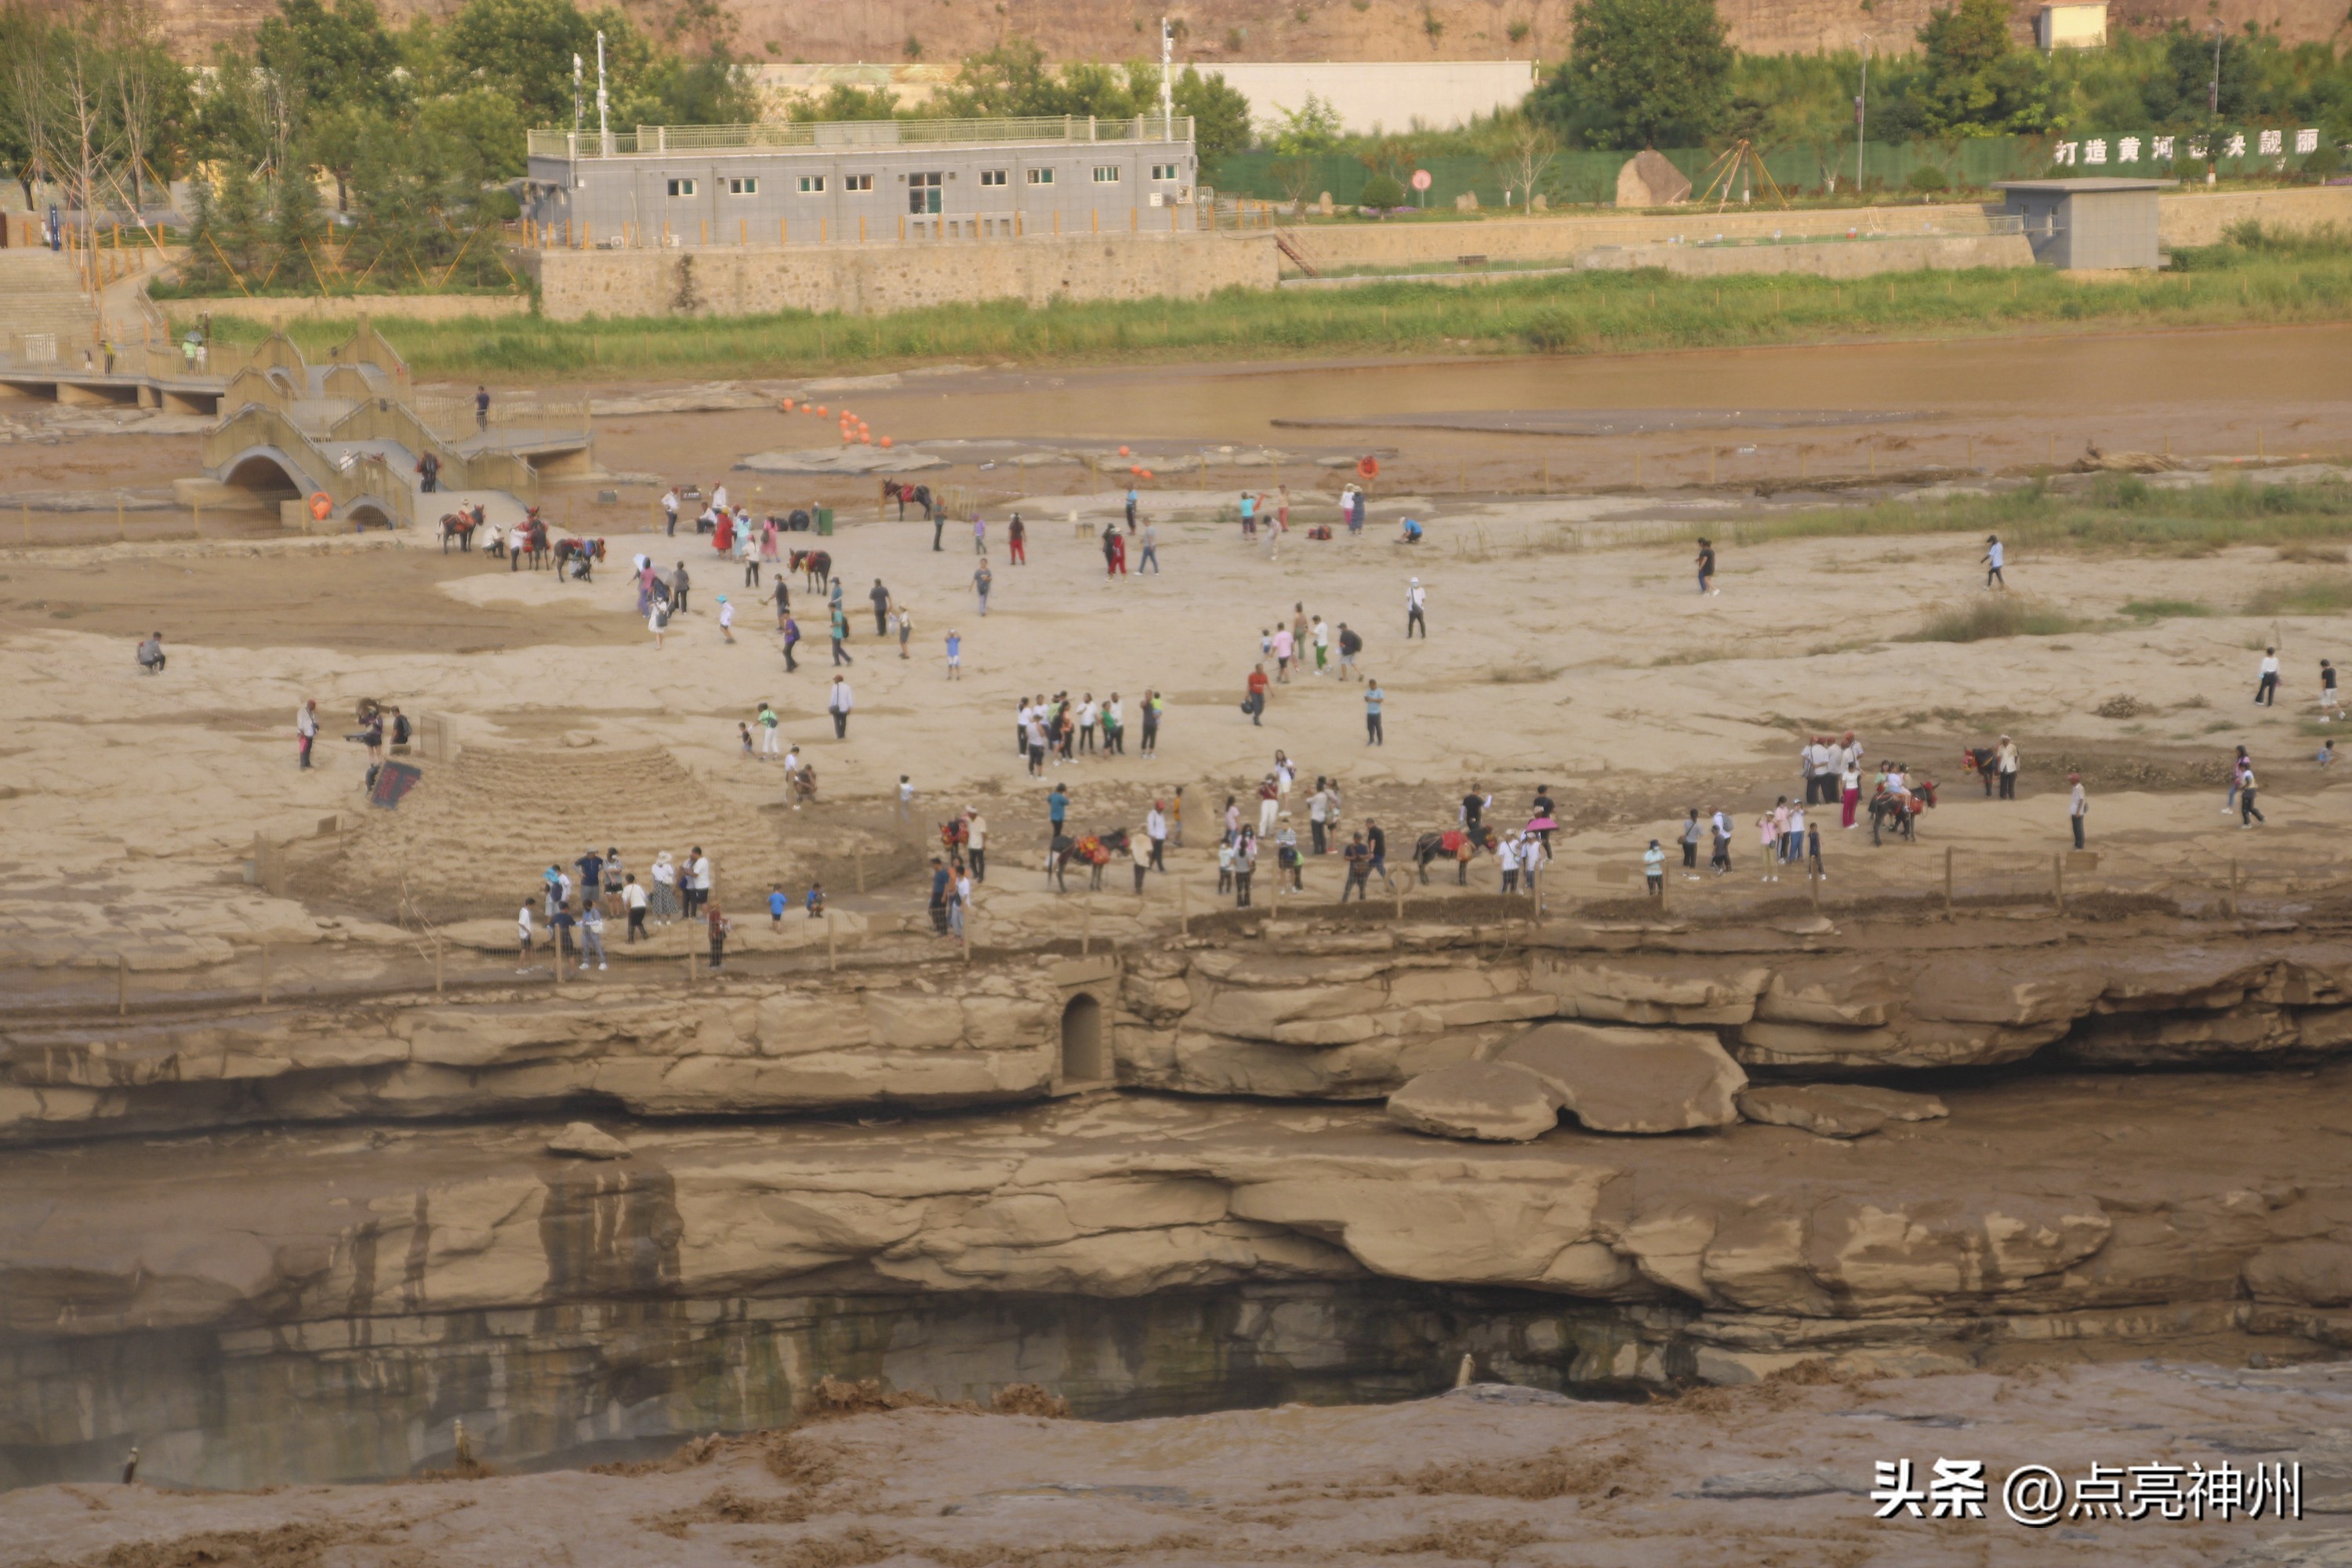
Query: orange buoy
1125	453
788	405
320	505
886	441
1146	472
820	408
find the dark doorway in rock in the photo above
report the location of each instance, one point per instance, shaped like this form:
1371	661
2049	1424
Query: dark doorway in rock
1084	1057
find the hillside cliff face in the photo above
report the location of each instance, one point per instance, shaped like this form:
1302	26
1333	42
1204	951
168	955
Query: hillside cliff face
1215	30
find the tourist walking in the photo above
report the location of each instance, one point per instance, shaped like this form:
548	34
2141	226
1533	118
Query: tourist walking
1016	541
1374	698
981	581
2248	814
591	937
1690	837
1654	869
838	704
2077	806
1992	563
720	928
1416	601
840	629
1707	567
1150	555
791	641
306	730
2266	686
2005	767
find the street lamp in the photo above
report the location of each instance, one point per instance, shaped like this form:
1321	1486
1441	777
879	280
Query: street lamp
2213	103
1860	122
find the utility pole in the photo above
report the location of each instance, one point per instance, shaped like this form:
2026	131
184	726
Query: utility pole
575	126
1860	125
1167	80
2213	103
604	129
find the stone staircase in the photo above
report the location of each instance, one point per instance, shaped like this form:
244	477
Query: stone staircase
39	294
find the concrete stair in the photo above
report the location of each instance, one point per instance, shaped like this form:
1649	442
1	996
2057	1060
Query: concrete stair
38	293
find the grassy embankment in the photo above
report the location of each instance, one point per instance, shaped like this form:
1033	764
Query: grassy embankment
2268	281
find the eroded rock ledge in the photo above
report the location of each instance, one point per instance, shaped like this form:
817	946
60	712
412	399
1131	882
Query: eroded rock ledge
1306	1013
243	1281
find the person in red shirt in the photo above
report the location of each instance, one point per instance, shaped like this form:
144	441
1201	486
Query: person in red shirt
1256	703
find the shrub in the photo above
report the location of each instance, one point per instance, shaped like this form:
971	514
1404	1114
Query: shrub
1925	179
1383	190
2001	617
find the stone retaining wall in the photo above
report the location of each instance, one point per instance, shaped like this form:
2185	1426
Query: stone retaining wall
2184	218
277	313
862	280
1824	258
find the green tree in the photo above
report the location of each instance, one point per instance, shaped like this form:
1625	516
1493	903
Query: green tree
295	225
846	101
1639	73
1221	116
332	58
1974	80
238	228
1009	79
1313	127
523	48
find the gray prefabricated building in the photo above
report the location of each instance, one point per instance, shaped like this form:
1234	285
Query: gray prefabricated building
859	181
2090	222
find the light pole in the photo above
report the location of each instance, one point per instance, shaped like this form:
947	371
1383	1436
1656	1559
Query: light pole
1861	122
2213	103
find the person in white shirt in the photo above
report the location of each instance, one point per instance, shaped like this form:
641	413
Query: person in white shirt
1087	714
1155	829
1115	725
669	512
306	729
701	873
838	704
1416	600
718	497
2266	690
1508	851
1992	563
633	899
1319	817
1532	856
725	618
975	842
522	938
591	937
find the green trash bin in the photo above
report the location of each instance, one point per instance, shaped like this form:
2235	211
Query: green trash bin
825	519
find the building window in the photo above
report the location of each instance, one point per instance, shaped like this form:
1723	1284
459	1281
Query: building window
856	182
743	185
1041	176
991	176
811	185
1164	171
923	192
681	187
1106	173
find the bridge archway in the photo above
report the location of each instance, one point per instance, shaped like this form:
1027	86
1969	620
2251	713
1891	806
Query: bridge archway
263	473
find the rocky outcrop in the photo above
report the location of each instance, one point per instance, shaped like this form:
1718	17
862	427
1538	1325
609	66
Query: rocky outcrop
1837	1109
913	1036
1487	1101
1304	1014
1632	1080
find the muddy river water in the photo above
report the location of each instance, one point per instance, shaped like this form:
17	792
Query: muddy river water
2006	401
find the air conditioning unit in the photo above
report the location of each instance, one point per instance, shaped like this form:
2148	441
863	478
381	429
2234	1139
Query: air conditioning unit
1183	195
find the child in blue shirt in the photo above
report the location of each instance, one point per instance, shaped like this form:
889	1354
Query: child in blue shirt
777	904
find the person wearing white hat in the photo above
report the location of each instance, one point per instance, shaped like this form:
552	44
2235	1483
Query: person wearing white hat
1416	600
725	618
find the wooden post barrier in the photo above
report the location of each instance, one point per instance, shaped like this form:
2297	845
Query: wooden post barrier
2058	880
121	986
2233	889
436	966
1183	908
1948	881
1087	928
265	975
861	870
831	928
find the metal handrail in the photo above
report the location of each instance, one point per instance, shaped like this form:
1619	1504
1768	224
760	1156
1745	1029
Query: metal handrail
654	139
255	426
